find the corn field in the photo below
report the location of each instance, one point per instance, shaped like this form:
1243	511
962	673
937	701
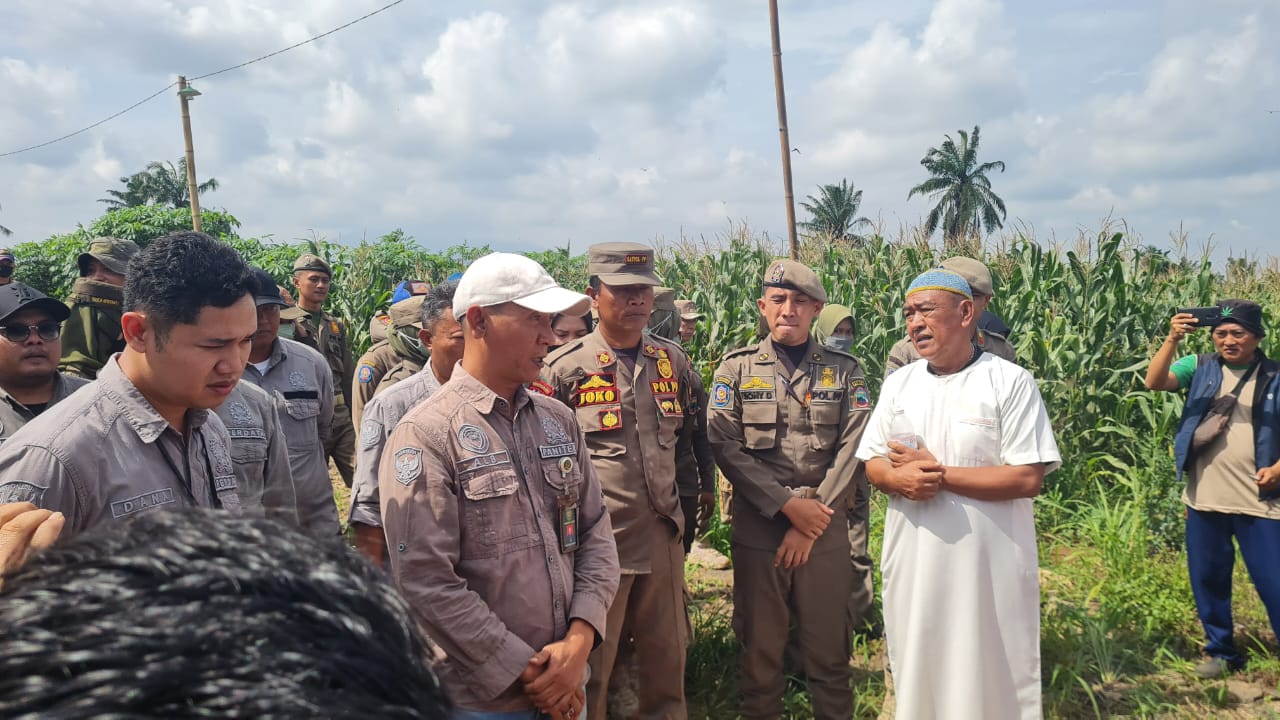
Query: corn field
1085	320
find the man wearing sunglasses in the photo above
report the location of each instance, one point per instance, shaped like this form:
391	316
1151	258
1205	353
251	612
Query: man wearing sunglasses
30	345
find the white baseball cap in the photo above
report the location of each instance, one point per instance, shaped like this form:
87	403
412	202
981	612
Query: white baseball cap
499	278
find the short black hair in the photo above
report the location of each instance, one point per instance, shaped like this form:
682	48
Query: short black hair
204	614
178	275
436	302
593	282
586	320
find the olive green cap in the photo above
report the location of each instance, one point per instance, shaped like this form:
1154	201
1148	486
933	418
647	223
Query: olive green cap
312	263
7	254
622	264
973	272
113	253
664	298
688	310
407	312
791	275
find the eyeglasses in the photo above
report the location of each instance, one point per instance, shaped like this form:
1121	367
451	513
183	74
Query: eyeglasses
48	330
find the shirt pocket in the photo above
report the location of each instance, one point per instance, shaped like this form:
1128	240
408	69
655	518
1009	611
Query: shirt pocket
248	451
825	419
301	426
599	426
760	425
494	519
976	441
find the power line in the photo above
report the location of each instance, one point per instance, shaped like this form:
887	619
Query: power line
297	45
200	77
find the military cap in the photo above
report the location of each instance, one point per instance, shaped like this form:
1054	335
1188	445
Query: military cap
664	298
113	253
407	312
973	272
791	275
622	264
15	296
312	263
688	310
7	254
265	290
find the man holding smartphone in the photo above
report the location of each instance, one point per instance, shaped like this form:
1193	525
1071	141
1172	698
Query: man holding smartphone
1227	448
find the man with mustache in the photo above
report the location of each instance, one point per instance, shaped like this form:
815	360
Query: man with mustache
30	345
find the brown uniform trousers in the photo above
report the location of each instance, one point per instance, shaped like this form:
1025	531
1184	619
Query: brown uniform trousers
632	418
780	433
330	338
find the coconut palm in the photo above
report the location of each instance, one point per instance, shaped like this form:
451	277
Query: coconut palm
834	212
160	184
965	202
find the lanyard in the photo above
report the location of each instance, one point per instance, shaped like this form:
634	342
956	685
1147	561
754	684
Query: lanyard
185	481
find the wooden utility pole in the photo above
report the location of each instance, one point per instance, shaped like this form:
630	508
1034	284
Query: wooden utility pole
185	93
784	136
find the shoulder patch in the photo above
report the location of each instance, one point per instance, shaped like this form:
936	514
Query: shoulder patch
16	491
861	395
408	465
365	374
721	395
370	433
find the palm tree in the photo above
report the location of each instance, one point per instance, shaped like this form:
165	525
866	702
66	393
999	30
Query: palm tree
835	212
160	184
965	202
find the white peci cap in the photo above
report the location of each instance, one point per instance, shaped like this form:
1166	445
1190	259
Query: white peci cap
498	278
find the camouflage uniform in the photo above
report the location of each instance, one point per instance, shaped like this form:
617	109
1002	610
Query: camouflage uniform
92	334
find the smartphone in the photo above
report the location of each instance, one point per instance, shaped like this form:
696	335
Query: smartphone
1205	316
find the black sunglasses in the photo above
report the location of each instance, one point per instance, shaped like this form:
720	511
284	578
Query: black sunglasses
48	330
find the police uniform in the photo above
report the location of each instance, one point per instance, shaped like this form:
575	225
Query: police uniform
326	333
401	352
259	454
695	463
632	417
381	415
780	433
92	333
299	382
105	454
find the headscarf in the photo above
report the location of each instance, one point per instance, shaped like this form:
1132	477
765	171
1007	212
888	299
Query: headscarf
831	316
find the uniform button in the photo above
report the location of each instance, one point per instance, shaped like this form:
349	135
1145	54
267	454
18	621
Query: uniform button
557	604
402	547
550	559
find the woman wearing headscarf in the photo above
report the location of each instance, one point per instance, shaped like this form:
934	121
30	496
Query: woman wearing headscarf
834	328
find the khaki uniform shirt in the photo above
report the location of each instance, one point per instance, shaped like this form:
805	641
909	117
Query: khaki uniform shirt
302	387
92	333
471	491
14	414
326	333
104	454
402	370
695	463
779	435
381	415
370	369
632	420
904	353
259	454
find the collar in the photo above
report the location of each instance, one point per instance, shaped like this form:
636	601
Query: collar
767	353
136	408
60	392
478	395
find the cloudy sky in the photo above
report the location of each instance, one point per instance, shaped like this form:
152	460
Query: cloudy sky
528	125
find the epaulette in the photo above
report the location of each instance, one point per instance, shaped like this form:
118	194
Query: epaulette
744	350
562	351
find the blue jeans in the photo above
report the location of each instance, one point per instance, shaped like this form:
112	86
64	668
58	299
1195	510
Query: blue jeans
1210	560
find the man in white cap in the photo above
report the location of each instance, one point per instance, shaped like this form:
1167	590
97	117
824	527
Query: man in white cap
494	519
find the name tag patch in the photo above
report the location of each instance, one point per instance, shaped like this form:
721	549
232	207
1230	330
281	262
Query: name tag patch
665	387
145	501
479	462
238	433
224	482
758	396
597	389
819	395
554	451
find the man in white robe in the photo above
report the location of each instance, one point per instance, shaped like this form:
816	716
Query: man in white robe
961	442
